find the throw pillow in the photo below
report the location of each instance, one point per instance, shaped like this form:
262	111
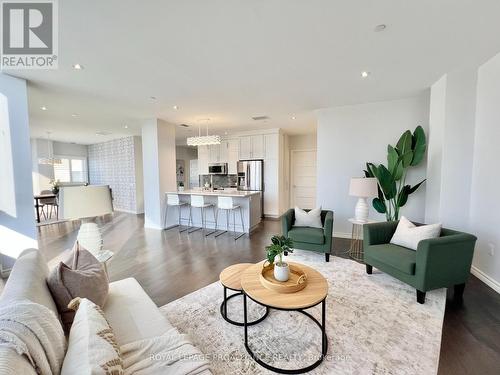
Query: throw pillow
86	278
409	235
92	346
308	219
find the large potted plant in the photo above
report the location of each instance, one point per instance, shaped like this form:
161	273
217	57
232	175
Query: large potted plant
393	191
280	245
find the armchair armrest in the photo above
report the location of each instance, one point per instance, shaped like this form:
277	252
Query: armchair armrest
287	221
378	233
444	260
328	224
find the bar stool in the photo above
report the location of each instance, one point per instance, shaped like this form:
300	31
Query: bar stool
174	201
227	204
198	201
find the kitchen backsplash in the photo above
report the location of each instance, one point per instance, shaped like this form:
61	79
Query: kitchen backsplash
219	181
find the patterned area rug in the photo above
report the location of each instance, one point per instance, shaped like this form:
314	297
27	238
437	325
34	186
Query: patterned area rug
374	326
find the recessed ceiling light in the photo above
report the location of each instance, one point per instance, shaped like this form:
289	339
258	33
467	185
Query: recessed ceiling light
365	74
380	27
77	67
43	108
74	115
293	117
125	126
175	107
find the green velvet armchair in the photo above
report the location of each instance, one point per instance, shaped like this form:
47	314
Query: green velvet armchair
305	238
437	263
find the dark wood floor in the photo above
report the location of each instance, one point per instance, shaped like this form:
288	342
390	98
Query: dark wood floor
170	265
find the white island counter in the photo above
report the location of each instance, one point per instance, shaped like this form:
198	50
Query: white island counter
249	201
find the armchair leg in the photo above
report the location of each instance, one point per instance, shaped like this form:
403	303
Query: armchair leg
327	257
369	269
420	297
459	292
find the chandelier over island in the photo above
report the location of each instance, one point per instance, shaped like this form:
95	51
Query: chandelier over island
204	140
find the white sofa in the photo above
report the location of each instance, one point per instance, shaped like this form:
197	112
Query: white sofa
128	309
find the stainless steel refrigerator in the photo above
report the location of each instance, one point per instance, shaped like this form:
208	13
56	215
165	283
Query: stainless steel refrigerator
251	178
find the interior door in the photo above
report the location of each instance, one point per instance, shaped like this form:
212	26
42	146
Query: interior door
303	178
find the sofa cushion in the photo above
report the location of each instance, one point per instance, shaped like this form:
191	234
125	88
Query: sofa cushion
397	257
311	218
27	281
92	347
132	314
409	235
307	235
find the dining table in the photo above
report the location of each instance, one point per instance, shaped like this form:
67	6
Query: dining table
37	203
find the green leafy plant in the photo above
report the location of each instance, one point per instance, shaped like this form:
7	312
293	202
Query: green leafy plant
279	246
393	191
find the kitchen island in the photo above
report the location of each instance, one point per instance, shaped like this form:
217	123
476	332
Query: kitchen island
249	201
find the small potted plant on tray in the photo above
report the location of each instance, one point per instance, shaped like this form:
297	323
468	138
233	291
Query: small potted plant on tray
280	246
181	186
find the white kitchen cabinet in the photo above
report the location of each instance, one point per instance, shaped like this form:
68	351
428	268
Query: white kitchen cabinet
252	147
271	192
214	153
271	146
232	155
245	148
223	152
203	159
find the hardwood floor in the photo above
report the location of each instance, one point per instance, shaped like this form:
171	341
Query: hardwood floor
170	265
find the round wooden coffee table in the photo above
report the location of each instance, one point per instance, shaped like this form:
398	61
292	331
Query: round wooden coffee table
230	279
312	295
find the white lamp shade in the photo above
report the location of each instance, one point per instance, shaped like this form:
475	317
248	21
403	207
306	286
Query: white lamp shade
78	202
364	187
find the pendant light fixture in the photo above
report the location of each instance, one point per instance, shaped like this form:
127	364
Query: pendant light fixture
204	140
49	159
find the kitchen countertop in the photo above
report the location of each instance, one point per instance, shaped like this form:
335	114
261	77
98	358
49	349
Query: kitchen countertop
216	193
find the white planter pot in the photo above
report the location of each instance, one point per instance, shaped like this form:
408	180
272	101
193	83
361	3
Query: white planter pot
281	271
181	188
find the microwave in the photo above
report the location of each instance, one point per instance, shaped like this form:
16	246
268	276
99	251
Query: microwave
217	168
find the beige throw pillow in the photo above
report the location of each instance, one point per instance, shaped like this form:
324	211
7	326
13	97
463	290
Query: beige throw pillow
92	346
409	235
86	278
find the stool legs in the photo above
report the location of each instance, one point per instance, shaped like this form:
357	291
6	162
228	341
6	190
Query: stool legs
234	222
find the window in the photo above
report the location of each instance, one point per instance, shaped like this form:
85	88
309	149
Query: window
71	170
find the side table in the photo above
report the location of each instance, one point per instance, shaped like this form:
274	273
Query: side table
230	278
356	247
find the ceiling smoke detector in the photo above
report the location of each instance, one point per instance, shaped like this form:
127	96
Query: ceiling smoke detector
260	118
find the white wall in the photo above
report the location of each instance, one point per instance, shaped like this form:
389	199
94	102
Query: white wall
350	136
302	142
485	204
17	216
451	146
158	152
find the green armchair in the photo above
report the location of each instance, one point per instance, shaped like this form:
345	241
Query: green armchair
305	238
437	262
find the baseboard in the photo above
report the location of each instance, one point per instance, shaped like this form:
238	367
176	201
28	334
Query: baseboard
342	235
488	280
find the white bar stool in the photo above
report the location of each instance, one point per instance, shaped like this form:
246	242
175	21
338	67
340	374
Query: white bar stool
227	204
174	201
198	201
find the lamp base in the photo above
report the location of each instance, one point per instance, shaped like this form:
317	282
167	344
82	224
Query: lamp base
361	210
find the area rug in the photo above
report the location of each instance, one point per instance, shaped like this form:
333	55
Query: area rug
374	326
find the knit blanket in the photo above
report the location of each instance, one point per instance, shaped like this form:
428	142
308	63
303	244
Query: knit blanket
34	331
170	353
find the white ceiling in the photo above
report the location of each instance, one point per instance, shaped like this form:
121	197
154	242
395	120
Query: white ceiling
229	60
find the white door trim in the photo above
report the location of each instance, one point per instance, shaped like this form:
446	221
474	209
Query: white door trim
292	155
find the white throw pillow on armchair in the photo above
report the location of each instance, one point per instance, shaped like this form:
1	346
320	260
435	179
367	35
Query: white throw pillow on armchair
409	235
308	219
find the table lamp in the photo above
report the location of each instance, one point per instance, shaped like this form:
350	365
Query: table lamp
85	203
363	188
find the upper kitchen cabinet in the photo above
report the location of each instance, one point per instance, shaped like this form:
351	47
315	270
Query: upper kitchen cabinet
252	147
214	153
272	146
203	159
233	146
